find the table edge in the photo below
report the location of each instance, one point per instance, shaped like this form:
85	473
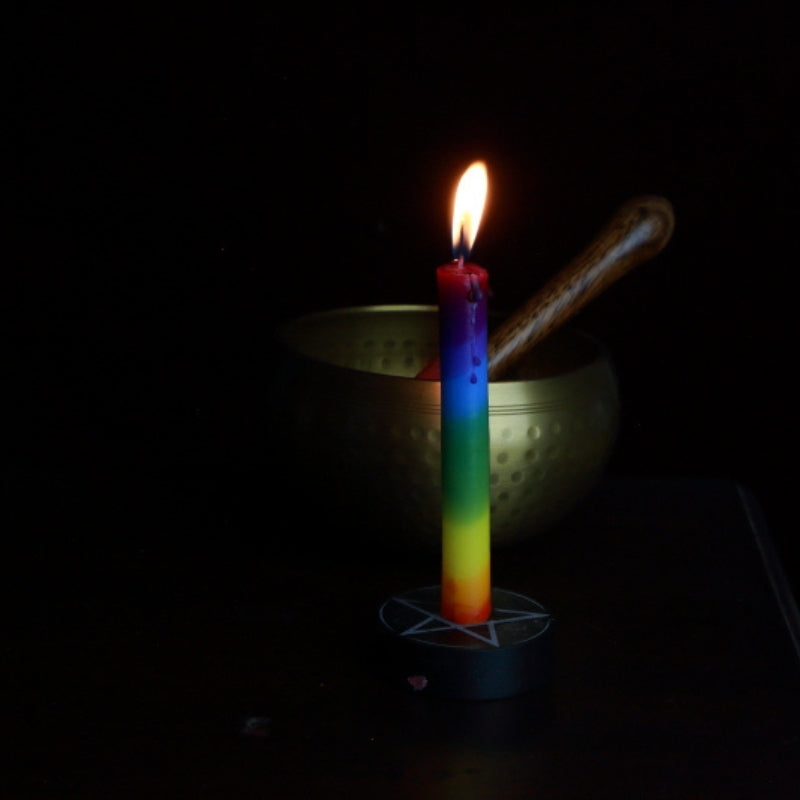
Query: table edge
773	566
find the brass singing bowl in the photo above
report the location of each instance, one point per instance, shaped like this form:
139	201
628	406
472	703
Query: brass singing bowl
366	433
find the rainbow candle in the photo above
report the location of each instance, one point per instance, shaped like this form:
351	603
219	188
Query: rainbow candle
463	301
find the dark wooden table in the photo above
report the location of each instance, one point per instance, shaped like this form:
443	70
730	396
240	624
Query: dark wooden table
182	637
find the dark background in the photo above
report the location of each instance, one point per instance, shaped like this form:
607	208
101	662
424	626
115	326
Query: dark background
183	184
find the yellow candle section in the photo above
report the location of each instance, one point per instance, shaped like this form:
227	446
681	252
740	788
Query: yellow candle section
466	576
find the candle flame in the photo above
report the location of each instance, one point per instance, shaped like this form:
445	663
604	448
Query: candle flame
468	208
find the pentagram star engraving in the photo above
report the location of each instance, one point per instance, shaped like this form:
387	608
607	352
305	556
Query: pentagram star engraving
514	619
432	623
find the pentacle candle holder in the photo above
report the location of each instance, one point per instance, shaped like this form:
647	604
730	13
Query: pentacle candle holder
509	653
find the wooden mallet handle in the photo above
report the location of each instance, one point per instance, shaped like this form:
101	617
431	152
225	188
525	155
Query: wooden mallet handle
638	231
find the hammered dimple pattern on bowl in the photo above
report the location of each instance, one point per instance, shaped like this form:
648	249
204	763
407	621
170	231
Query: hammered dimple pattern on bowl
532	465
387	357
402	346
534	469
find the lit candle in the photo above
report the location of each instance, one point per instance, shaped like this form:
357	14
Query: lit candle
463	292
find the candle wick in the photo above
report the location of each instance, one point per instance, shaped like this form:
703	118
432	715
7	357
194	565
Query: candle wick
460	247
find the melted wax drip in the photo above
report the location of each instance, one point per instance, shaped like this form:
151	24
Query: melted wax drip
473	296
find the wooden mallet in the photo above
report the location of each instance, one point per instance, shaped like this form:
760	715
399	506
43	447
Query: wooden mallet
638	231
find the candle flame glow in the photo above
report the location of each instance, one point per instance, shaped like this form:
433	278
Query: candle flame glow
468	208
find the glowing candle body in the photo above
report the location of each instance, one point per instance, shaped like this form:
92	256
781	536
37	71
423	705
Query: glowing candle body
466	575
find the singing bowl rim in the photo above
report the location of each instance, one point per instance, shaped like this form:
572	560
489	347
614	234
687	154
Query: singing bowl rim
500	391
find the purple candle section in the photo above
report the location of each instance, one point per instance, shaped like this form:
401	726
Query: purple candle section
463	341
